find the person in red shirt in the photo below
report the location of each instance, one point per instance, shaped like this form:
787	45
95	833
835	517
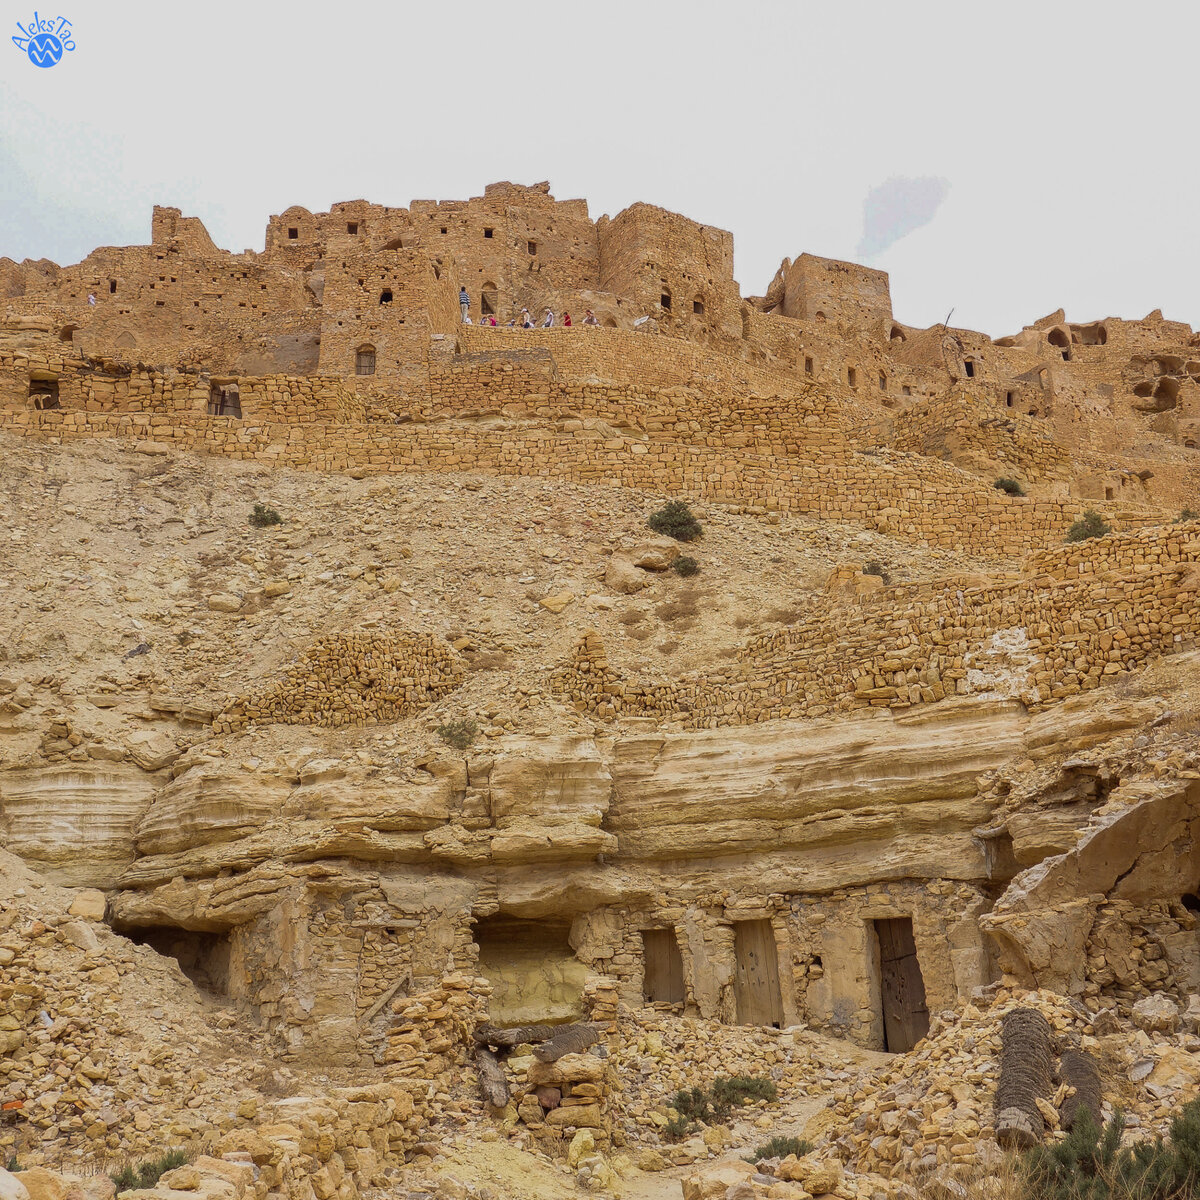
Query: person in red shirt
566	320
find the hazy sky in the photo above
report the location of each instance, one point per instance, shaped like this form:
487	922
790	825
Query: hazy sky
1063	132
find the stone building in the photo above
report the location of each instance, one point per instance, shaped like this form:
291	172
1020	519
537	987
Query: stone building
812	840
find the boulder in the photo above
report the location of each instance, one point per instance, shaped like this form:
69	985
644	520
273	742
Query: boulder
1156	1014
11	1188
652	554
713	1182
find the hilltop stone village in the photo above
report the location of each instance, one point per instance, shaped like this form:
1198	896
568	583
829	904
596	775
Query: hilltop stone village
301	820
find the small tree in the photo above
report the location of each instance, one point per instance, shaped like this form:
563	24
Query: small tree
1090	525
781	1147
686	566
874	567
459	734
262	516
1011	487
676	520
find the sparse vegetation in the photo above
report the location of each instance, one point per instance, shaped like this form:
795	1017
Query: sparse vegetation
1090	1163
677	1128
13	1166
148	1172
263	516
781	1147
1188	514
459	734
676	520
1011	487
686	566
1090	525
715	1104
875	567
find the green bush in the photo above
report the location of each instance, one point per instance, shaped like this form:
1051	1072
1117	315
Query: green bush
740	1089
459	734
686	566
676	1129
13	1166
781	1147
1091	1165
875	567
714	1105
1011	487
1090	525
676	520
262	516
148	1172
1188	514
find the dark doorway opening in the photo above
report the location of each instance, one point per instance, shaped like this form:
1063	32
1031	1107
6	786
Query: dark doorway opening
224	400
970	368
535	976
202	956
901	987
756	977
662	979
489	299
44	393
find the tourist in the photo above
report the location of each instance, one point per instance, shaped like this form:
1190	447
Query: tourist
566	320
589	318
464	302
548	320
526	319
92	299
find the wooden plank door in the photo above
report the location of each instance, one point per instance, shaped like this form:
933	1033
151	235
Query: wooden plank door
756	979
902	990
662	980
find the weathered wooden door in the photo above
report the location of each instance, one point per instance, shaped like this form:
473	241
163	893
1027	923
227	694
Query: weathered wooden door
662	980
756	980
902	990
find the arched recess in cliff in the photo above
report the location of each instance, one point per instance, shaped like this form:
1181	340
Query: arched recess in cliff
1148	850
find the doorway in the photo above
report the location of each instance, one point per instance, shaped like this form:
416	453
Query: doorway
662	979
901	988
756	979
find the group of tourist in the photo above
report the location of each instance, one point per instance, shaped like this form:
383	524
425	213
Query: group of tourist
525	320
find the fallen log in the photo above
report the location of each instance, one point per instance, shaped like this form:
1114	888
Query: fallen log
568	1039
519	1035
1081	1071
1025	1058
492	1081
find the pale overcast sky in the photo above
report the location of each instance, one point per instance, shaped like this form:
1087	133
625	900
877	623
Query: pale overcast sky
1052	143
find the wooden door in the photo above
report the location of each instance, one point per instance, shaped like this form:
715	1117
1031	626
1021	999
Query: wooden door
756	979
902	990
662	980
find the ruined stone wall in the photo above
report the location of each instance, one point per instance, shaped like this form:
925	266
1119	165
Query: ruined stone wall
846	295
912	498
828	959
388	304
671	268
963	428
1134	951
1057	632
352	680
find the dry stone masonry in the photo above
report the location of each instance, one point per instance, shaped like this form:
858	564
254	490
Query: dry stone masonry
433	839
